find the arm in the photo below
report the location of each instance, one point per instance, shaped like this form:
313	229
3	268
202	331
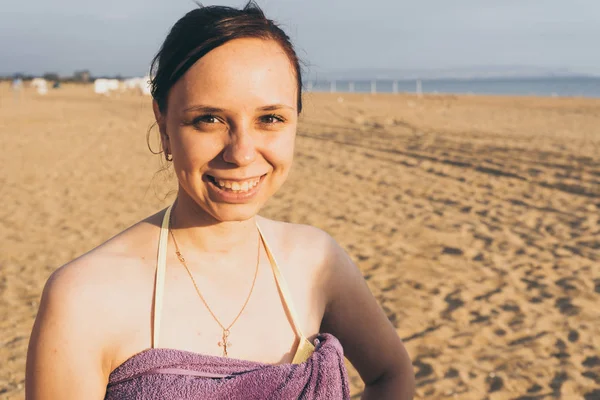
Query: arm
64	360
370	341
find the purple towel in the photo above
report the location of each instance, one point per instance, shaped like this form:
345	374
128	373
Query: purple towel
177	374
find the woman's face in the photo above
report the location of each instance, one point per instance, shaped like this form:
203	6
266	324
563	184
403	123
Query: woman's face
230	125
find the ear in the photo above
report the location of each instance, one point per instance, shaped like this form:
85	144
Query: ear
162	125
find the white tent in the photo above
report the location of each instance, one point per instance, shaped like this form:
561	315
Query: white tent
141	85
105	86
40	85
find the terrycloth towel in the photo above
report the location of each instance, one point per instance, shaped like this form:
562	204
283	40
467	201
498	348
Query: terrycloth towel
175	374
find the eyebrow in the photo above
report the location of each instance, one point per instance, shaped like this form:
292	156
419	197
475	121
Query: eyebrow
210	109
274	107
203	108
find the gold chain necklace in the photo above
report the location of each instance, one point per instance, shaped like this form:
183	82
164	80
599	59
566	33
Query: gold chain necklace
224	339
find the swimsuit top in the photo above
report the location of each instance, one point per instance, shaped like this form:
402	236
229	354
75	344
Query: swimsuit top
305	347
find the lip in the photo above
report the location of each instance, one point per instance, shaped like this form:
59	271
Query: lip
224	196
220	178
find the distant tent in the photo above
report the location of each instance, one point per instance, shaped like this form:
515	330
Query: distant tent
138	85
41	85
105	86
141	85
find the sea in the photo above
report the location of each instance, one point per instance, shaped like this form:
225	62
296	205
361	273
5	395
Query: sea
547	86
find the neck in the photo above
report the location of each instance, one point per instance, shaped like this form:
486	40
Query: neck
198	230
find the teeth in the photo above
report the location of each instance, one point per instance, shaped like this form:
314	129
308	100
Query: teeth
238	186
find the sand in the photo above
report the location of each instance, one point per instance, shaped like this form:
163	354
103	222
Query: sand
475	220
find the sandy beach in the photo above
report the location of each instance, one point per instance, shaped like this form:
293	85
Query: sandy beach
475	220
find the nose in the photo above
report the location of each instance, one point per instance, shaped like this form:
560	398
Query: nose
241	150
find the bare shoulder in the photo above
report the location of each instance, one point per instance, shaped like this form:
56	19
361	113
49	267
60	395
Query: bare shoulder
99	273
311	244
310	255
85	304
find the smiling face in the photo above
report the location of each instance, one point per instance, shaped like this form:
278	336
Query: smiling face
230	124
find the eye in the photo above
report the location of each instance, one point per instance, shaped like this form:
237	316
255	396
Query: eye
205	119
271	119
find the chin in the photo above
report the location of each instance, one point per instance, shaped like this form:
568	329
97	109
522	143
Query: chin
234	212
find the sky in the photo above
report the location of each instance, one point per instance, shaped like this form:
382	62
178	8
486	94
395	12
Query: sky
112	37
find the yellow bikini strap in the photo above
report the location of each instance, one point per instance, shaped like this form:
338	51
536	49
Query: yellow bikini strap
159	285
287	297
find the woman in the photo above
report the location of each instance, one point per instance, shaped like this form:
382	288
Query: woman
211	316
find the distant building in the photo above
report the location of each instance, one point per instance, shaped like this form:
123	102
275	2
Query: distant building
51	76
81	76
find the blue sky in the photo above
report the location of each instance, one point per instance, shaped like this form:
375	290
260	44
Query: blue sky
120	37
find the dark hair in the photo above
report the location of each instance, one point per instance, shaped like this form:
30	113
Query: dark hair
206	28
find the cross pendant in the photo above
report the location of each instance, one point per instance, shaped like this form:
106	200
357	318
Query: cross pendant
224	342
